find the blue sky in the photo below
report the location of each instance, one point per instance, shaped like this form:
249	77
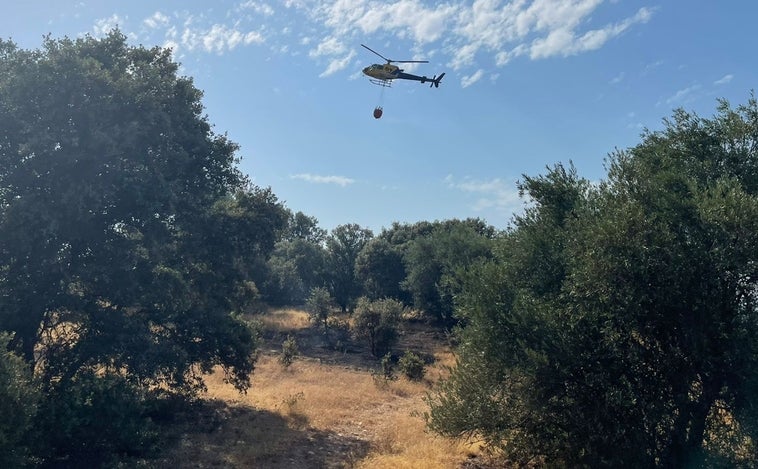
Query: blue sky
528	84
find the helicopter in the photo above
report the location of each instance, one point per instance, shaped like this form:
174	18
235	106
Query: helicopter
383	74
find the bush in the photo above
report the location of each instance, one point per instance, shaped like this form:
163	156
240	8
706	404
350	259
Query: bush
289	352
94	420
378	321
412	366
320	304
386	372
18	405
338	335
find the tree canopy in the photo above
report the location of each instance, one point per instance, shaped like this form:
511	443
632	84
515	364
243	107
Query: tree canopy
616	325
130	238
343	245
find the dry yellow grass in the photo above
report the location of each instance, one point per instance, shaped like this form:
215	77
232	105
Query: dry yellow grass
319	413
285	320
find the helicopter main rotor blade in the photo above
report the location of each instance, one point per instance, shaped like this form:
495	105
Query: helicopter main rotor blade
396	61
377	53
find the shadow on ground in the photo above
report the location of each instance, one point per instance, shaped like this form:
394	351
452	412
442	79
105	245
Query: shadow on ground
216	434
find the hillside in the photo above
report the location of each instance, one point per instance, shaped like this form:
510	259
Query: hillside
326	410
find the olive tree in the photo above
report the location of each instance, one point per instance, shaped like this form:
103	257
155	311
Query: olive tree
616	324
130	238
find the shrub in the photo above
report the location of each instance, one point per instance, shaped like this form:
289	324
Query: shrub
378	321
320	304
412	366
289	352
94	420
338	335
18	405
386	372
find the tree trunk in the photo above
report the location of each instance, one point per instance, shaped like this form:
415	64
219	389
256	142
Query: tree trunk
689	431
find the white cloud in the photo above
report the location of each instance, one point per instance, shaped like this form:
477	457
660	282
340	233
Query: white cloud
471	79
468	35
337	53
491	194
258	7
683	95
156	20
314	178
543	28
724	80
104	25
563	41
328	46
407	18
221	38
618	78
463	56
335	65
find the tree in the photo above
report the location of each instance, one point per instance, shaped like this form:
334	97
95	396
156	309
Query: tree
294	268
304	227
19	397
343	245
379	267
377	321
433	264
381	264
297	264
128	231
320	304
615	325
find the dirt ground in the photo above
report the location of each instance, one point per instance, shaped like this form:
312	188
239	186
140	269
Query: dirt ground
329	409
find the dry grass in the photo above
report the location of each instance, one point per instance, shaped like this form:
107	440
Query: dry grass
321	413
285	320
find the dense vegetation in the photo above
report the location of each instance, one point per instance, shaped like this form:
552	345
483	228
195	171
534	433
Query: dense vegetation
124	224
616	325
613	324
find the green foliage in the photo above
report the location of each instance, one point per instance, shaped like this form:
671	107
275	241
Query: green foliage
303	227
387	368
295	267
19	398
289	352
124	217
435	261
320	304
343	245
297	263
94	420
338	335
615	326
131	241
386	372
377	322
412	366
380	269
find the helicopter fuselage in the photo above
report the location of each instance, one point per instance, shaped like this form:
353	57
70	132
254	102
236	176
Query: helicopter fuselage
383	71
391	72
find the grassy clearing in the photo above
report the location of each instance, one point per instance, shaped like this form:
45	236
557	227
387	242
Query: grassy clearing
326	410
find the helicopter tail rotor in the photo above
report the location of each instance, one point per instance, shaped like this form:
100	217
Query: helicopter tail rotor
436	80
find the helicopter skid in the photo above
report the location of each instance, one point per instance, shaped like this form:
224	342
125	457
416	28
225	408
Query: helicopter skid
382	83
